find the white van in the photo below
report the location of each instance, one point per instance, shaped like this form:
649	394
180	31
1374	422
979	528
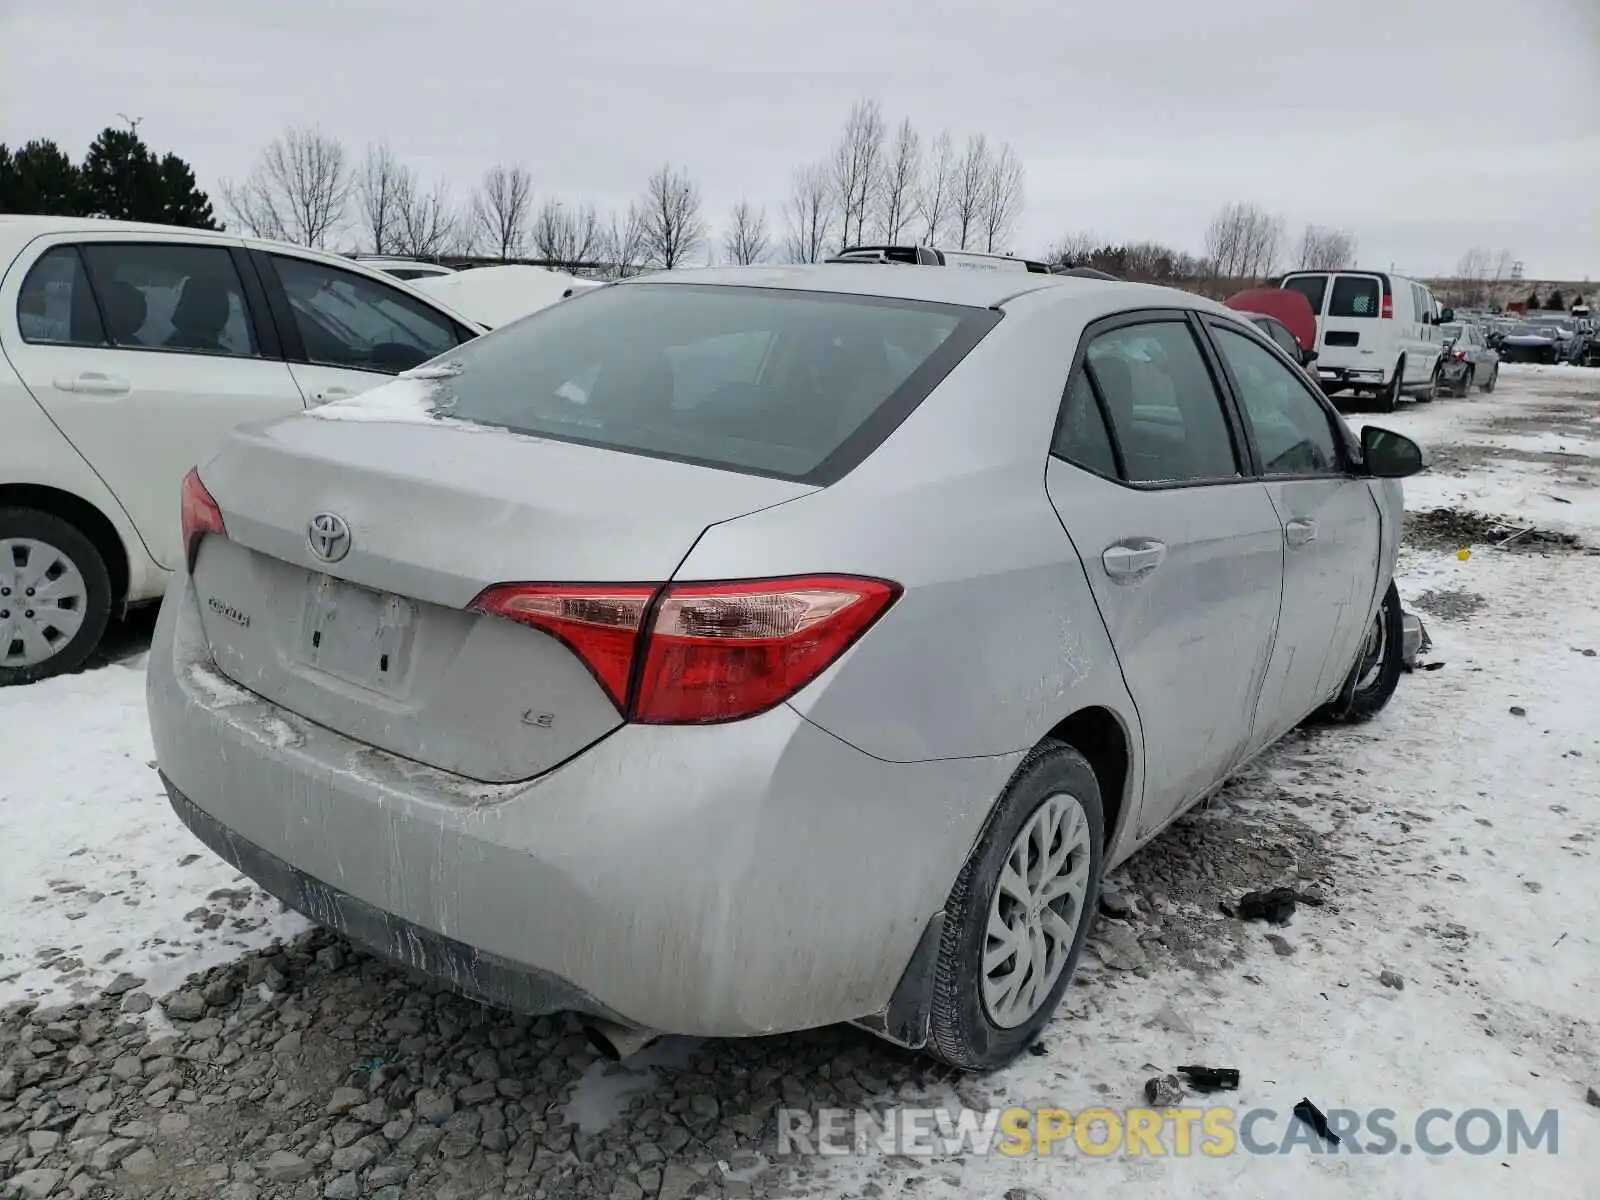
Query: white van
1377	334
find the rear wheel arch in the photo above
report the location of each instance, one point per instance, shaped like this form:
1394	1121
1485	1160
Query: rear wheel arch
1100	736
83	516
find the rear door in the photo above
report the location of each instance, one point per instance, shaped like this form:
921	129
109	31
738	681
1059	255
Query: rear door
1352	328
345	332
1181	545
145	353
1331	530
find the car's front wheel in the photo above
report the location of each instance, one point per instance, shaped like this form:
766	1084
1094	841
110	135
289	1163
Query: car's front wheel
55	596
1378	667
1017	917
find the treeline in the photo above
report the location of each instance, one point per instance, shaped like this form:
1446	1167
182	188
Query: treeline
120	177
873	184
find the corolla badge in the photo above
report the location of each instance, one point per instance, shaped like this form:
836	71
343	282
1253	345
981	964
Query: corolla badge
328	536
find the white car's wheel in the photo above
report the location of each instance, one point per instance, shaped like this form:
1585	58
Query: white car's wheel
55	596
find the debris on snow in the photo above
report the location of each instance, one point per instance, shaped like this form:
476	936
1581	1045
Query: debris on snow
1211	1079
1163	1091
1274	905
1312	1116
1390	979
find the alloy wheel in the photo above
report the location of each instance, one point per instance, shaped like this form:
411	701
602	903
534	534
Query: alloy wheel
43	599
1036	910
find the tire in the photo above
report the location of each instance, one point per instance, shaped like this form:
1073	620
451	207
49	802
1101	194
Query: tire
1389	397
1494	378
1465	386
1376	674
963	1028
27	538
1432	394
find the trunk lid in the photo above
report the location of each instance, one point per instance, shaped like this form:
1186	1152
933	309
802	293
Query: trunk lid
378	644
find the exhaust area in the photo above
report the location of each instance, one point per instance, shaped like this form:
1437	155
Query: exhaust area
617	1042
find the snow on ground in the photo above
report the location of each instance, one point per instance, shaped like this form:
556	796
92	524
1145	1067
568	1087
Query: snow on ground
97	875
1454	839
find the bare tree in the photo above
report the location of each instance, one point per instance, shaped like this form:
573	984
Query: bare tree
1002	198
746	241
568	236
380	191
623	244
1325	249
298	190
426	225
967	197
673	227
855	165
500	210
1072	249
1243	242
936	191
897	187
809	214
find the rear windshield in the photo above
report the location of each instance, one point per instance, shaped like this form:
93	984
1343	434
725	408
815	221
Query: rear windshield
1543	331
1354	296
1312	287
797	385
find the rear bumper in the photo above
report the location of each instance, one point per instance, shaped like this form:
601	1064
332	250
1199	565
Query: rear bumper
1334	379
714	881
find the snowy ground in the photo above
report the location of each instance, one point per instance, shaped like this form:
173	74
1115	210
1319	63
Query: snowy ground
1453	838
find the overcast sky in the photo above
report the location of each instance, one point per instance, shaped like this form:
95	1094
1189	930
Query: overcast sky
1426	126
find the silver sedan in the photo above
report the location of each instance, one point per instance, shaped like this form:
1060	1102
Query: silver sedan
771	647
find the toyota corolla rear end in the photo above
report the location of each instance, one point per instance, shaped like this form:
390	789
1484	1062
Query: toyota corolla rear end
432	675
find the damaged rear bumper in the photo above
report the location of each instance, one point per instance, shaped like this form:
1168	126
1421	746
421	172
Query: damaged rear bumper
716	881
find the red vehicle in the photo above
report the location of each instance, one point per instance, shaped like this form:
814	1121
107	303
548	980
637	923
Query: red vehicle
1285	308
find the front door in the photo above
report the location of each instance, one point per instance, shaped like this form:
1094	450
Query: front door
1330	528
145	354
1182	548
348	333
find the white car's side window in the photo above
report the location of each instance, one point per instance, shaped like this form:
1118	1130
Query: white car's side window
1292	431
347	320
166	296
55	305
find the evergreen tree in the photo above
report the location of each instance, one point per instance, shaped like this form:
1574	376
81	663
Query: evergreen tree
125	181
40	178
1533	300
1554	301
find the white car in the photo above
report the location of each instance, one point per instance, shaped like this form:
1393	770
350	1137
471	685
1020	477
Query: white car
496	296
1377	334
126	353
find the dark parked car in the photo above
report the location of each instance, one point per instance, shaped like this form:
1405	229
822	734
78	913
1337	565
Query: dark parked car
1569	339
1531	343
1468	359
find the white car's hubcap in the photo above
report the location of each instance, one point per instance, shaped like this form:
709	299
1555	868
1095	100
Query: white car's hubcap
42	601
1036	910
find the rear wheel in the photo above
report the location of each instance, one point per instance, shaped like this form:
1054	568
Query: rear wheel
1389	397
1017	917
1494	378
1465	386
55	596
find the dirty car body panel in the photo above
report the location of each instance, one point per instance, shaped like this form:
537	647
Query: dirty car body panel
355	713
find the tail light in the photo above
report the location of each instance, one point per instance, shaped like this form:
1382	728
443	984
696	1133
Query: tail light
199	514
1386	311
700	653
1458	354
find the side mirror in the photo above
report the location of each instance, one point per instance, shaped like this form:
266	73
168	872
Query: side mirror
1389	455
1446	316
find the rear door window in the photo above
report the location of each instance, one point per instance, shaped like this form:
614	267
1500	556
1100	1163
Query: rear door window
1163	404
167	296
1354	296
1312	287
798	385
55	306
1081	435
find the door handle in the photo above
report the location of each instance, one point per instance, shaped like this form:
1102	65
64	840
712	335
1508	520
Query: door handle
1299	531
1131	560
94	383
336	392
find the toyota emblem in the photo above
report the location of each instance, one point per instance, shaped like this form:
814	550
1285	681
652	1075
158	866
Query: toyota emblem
328	536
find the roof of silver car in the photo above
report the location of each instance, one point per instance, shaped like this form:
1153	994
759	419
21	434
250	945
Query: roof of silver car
978	289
